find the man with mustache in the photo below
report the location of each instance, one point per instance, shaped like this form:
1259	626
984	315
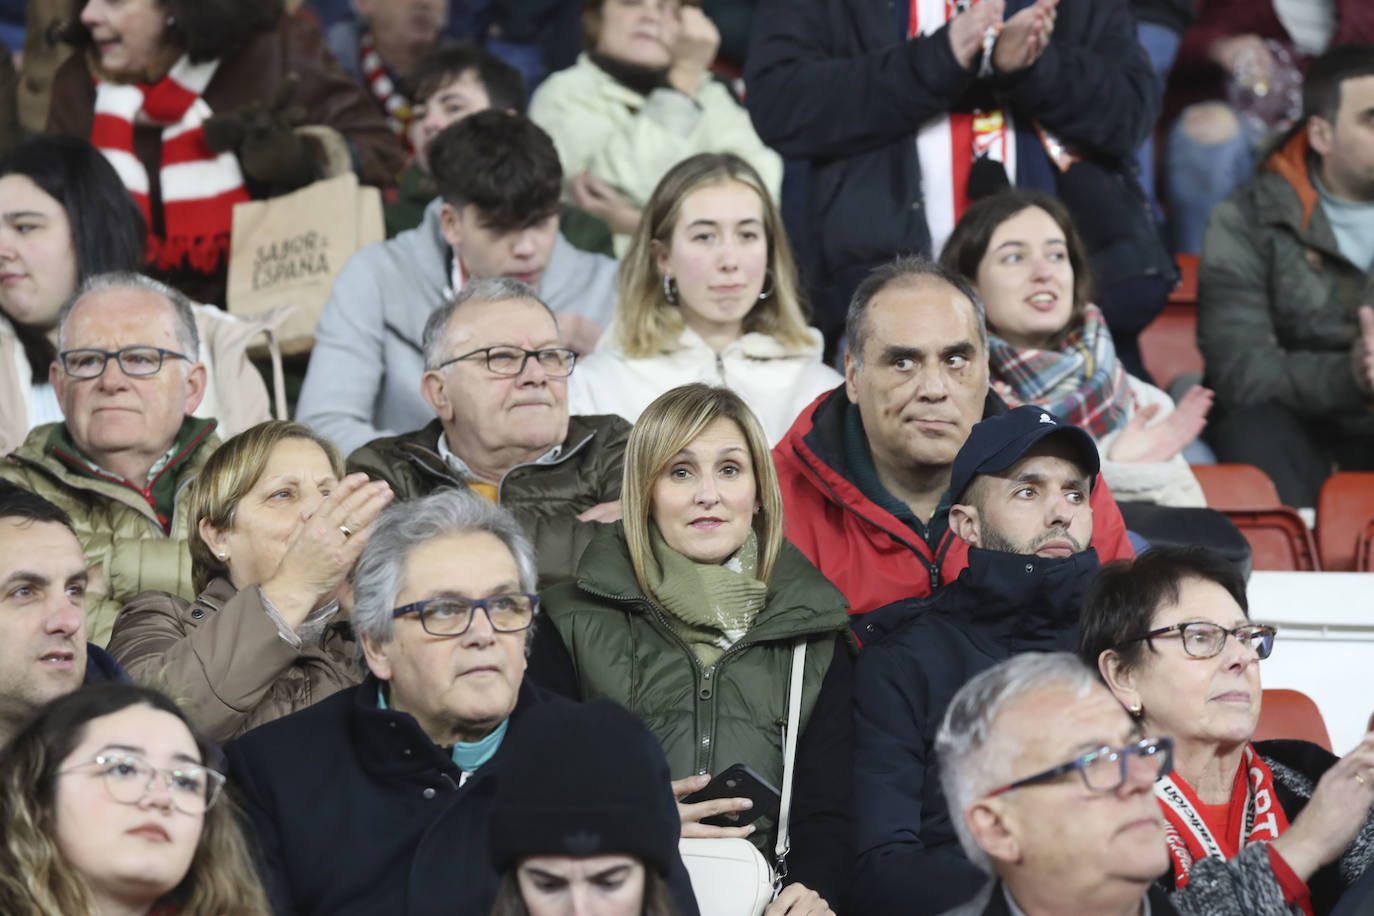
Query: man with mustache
1020	489
496	376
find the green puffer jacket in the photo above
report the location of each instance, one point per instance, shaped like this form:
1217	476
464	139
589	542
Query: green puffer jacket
118	529
1277	300
707	719
545	498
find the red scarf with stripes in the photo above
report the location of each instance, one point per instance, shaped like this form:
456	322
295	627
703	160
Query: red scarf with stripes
199	186
397	107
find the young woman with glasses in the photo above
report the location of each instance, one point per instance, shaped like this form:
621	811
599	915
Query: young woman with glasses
1171	635
111	804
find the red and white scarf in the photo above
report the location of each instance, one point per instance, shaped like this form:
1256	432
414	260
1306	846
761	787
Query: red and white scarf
199	186
397	106
1254	816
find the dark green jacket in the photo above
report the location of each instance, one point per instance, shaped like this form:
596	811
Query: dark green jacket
734	711
1277	300
546	498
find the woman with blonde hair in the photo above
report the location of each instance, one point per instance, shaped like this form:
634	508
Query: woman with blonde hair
111	804
708	293
687	613
278	530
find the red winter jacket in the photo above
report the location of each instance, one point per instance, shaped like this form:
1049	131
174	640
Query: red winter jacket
870	555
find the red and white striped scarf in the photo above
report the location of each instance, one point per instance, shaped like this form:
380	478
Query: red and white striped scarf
394	103
199	186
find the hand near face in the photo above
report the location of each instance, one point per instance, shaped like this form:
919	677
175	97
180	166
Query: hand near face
693	49
796	900
578	333
604	202
1024	37
1139	443
966	30
1243	56
691	815
319	555
1362	352
1338	809
602	512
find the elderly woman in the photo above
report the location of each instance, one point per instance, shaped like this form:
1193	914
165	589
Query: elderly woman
687	614
67	218
278	530
708	293
110	804
1171	636
597	834
198	102
1050	346
639	100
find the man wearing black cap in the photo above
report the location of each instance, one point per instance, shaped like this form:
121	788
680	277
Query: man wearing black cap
1020	489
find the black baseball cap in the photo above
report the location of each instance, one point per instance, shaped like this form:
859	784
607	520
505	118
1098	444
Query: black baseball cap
997	443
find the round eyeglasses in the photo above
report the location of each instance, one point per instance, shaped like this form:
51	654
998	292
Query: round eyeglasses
135	362
510	361
452	616
1203	639
130	779
1104	770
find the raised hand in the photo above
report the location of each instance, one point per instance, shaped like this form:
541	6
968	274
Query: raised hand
1362	353
693	48
966	30
1336	812
1140	443
1024	37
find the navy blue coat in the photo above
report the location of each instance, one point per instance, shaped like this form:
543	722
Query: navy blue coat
357	812
917	655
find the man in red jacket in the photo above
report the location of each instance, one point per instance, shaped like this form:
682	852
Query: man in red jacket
865	469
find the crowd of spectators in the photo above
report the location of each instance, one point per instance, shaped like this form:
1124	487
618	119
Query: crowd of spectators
740	448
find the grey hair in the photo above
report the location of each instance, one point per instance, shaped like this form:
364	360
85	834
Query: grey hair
188	338
907	270
496	289
403	526
974	758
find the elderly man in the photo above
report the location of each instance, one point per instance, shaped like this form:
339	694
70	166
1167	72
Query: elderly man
496	377
375	800
1020	488
43	649
1050	787
865	469
496	216
127	380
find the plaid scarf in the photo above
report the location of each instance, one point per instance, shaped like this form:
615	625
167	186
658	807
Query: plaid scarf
384	89
1082	382
199	186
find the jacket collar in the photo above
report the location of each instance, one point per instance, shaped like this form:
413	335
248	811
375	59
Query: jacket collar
1290	162
421	448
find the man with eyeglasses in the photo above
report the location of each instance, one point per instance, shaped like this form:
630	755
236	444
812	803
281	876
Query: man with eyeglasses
1049	783
1020	490
127	378
496	216
375	800
496	376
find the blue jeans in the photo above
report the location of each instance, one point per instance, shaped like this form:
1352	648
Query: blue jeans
1200	175
1161	46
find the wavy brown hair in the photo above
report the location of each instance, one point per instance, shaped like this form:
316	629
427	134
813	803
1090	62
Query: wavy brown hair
646	323
35	880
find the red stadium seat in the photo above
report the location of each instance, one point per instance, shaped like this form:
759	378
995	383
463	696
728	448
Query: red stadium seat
1345	507
1236	486
1279	539
1291	714
1168	346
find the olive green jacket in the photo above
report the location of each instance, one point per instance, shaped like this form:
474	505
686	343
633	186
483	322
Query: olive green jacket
1277	300
119	530
546	498
706	718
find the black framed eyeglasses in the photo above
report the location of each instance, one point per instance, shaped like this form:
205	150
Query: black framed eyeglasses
135	362
129	779
1104	770
452	616
555	361
1203	639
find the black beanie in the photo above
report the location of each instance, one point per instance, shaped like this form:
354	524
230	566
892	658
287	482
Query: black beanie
583	780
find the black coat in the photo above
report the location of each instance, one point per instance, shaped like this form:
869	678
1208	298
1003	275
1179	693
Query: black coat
917	655
993	902
833	82
357	813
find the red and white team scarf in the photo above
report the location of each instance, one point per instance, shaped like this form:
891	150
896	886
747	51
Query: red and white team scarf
396	105
199	186
946	146
1254	816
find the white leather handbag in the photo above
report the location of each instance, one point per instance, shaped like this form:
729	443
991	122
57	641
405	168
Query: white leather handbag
730	877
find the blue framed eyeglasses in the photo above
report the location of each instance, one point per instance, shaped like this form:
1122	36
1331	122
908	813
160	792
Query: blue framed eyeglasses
452	616
1104	770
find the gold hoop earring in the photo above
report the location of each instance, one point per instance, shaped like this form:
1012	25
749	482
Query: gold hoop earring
670	289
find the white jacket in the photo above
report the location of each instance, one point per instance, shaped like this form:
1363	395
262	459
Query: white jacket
776	383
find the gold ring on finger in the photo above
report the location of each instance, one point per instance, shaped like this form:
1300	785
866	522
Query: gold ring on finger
347	531
1359	779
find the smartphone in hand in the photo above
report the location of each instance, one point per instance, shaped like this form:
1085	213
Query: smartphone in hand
738	781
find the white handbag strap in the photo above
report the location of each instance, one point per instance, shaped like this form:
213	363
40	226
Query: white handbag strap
789	759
